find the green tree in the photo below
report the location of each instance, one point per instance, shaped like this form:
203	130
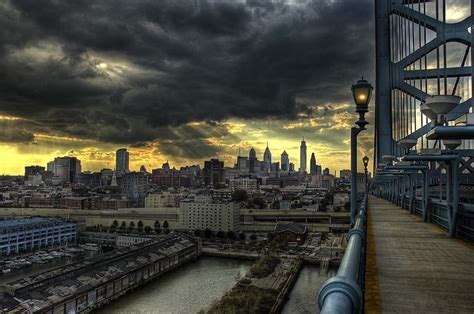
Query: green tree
157	227
147	229
253	237
165	224
131	226
166	231
239	196
197	233
270	236
208	233
231	235
242	236
123	226
220	234
114	226
140	226
257	202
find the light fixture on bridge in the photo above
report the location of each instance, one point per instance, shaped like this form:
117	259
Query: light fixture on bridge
441	105
452	144
389	159
362	92
407	144
365	160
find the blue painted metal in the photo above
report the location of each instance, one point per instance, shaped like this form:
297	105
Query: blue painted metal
344	292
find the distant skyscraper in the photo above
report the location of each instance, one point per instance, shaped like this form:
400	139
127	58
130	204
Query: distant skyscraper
267	159
121	160
66	168
312	164
303	156
213	172
285	161
242	164
32	170
252	160
292	167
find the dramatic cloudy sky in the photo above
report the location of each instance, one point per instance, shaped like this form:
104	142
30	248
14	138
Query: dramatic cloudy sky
184	80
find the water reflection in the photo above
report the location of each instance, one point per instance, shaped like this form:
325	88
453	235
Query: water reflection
303	296
188	289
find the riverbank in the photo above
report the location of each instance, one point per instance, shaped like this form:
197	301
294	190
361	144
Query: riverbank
264	288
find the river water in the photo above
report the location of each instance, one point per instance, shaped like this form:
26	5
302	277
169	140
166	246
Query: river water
303	296
187	289
195	286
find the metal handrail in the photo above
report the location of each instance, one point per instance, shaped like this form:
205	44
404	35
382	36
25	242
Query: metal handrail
343	293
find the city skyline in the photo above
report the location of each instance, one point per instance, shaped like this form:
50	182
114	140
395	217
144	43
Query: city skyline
228	163
238	74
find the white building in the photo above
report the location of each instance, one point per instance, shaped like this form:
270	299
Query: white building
165	199
247	184
34	180
131	239
209	215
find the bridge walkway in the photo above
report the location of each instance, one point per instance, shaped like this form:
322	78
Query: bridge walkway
413	266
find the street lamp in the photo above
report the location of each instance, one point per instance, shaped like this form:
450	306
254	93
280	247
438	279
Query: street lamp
365	160
362	92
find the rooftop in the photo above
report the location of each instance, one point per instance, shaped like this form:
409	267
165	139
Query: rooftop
32	222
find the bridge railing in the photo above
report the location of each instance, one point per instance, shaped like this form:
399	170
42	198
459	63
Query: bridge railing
438	214
344	293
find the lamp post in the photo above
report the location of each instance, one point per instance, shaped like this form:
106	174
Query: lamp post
361	91
365	160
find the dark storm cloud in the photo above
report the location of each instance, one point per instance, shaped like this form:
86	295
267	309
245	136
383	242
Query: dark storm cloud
176	61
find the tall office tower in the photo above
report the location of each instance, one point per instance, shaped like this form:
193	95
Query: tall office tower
312	164
303	156
252	160
292	167
285	161
213	172
66	168
267	159
121	160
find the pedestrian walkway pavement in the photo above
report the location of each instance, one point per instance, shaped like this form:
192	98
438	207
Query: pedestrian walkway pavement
413	267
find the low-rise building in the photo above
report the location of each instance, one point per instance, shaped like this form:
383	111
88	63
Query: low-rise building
131	239
291	231
246	184
165	199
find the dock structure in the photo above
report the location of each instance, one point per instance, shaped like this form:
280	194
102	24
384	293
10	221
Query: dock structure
416	267
89	284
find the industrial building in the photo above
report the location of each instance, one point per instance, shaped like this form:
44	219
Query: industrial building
89	284
21	235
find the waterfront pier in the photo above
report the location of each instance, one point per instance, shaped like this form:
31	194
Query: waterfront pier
89	284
